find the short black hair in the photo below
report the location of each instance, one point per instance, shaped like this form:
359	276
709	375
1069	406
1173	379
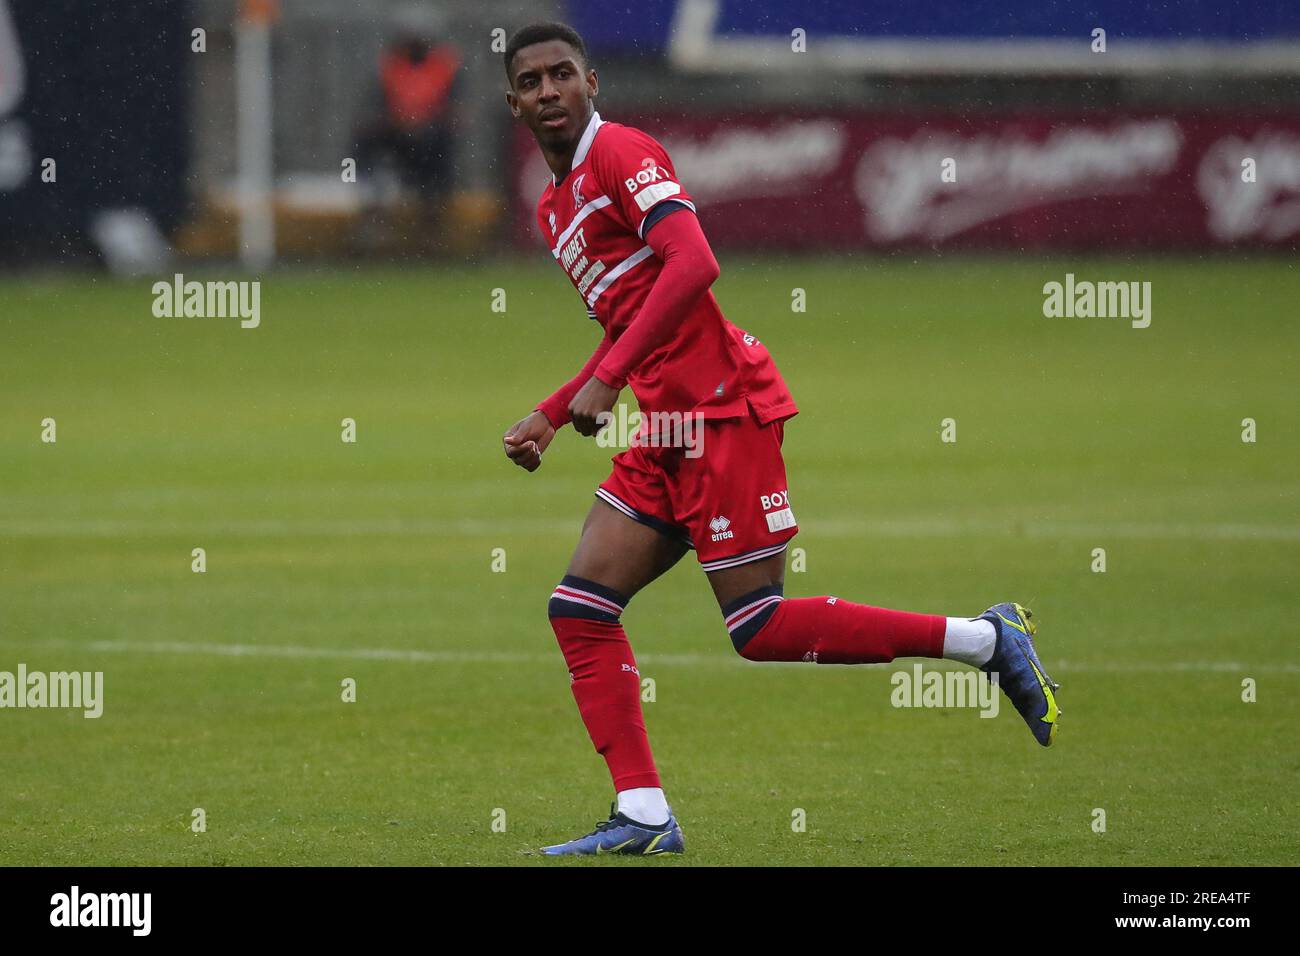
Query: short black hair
540	33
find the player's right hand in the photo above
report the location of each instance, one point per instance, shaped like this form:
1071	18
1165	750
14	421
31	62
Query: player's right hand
526	439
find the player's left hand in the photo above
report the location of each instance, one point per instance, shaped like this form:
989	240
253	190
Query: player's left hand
592	400
527	439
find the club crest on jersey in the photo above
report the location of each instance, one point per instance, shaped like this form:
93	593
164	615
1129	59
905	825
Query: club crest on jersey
578	201
720	525
552	221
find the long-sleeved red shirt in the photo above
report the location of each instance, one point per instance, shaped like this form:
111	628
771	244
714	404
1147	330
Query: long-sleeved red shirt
665	335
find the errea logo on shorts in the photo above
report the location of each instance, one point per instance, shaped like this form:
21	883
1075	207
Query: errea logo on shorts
656	179
781	519
720	526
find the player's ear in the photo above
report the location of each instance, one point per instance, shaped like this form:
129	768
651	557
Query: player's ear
593	84
513	102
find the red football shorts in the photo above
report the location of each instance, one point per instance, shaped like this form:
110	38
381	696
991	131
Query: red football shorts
724	493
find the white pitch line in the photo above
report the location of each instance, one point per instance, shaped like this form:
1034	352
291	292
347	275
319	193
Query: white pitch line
346	653
854	526
671	660
841	526
1173	667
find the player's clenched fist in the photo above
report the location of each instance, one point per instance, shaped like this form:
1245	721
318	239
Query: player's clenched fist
527	439
593	399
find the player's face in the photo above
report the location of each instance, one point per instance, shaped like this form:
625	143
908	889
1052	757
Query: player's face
551	92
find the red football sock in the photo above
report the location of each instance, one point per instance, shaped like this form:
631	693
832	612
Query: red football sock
831	630
604	678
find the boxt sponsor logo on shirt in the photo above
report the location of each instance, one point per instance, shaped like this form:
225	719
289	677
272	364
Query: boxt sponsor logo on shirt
657	182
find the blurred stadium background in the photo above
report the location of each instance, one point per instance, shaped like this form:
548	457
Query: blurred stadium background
812	135
164	148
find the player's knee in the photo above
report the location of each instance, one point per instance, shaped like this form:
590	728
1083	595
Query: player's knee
576	597
746	616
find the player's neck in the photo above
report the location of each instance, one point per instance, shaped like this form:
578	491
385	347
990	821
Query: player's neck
561	163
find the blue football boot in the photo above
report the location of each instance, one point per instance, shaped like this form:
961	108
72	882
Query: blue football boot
620	834
1020	672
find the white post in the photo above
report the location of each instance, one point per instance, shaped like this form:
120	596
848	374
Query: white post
256	173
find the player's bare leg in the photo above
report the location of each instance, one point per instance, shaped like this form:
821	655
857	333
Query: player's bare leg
615	558
765	626
619	553
734	583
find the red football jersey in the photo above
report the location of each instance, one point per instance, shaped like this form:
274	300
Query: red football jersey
594	220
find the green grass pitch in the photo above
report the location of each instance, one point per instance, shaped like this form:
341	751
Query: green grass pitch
373	561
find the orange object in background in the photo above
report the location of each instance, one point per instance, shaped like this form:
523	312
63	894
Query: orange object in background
416	90
259	11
